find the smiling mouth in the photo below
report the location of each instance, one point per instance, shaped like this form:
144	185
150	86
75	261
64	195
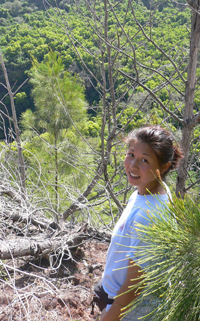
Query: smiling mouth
134	176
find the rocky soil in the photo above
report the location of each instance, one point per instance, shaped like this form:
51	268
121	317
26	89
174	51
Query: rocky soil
32	290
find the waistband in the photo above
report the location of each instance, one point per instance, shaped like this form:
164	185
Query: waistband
109	301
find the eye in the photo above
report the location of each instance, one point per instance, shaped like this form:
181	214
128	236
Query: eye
144	160
130	154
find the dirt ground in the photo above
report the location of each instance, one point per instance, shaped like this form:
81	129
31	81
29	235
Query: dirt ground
63	295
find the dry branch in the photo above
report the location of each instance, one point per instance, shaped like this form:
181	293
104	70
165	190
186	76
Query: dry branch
41	245
17	131
44	244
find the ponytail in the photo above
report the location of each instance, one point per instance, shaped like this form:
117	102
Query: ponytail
177	156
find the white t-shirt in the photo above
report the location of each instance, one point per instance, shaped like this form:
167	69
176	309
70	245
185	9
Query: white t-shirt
119	250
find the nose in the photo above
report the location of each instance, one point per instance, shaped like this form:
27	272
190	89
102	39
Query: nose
134	163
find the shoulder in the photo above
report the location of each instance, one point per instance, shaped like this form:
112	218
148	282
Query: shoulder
150	204
159	199
133	197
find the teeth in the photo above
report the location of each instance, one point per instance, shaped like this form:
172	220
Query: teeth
136	176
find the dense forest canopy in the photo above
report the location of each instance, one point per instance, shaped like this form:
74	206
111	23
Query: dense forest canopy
131	59
27	31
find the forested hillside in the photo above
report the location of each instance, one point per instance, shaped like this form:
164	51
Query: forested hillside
126	66
75	77
28	31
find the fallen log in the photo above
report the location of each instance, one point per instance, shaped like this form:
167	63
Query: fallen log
26	232
44	243
38	246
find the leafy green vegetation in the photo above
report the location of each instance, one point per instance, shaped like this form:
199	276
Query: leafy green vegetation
158	53
173	254
49	131
35	34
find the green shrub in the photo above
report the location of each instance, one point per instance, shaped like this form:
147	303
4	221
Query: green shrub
172	276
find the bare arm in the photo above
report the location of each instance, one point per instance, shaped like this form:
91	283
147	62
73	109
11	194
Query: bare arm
120	302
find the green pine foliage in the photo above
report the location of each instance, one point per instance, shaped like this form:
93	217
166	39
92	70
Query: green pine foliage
35	33
57	94
49	132
28	32
172	273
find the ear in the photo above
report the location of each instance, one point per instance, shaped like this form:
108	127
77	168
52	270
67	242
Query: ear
165	167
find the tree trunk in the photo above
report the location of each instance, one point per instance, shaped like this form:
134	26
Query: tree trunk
17	132
56	175
189	100
44	244
40	246
82	198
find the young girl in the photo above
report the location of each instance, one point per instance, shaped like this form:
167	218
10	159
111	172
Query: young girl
151	154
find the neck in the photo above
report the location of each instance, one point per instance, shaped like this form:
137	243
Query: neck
156	189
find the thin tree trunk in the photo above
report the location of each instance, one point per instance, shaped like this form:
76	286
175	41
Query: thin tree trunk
83	198
56	175
17	132
189	100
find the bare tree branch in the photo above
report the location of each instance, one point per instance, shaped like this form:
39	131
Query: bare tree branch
19	147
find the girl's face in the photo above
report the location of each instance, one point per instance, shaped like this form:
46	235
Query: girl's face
141	164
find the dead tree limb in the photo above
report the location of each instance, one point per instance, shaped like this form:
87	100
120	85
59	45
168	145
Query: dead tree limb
41	245
78	204
44	244
17	132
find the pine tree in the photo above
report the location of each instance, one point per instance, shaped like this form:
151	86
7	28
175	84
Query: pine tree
172	254
59	101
